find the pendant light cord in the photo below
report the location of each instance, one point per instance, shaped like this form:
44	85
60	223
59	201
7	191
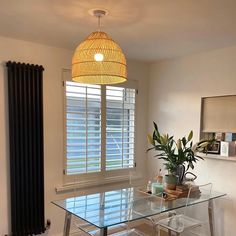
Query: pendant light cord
99	23
99	14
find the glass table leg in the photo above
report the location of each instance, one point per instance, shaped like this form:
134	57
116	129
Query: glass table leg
103	232
211	216
66	231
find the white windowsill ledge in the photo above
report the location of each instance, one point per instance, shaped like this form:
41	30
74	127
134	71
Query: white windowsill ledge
93	183
218	157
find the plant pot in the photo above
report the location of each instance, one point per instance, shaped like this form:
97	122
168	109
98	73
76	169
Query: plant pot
170	181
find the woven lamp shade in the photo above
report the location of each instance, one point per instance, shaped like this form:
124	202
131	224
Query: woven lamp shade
109	68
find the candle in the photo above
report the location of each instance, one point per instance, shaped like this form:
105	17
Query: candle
157	188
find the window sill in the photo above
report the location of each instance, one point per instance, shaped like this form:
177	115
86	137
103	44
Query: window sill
218	157
92	183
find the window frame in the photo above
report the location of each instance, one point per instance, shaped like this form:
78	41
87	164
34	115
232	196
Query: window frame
116	175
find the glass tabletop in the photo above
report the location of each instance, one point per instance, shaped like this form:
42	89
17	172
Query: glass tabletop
109	208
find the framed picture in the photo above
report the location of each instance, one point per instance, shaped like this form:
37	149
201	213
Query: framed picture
214	148
224	149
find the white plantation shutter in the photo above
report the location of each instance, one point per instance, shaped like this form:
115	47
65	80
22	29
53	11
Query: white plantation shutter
120	124
89	146
83	128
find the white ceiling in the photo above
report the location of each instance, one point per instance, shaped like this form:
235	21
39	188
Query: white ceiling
145	29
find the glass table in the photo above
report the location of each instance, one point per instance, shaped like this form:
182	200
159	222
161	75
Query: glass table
110	208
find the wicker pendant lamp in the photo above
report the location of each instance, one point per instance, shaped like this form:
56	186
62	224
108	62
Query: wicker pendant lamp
98	59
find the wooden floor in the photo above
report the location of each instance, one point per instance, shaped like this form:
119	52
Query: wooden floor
147	229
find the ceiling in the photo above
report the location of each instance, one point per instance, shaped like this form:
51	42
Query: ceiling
147	30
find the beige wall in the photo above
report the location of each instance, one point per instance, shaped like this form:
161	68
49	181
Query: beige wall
53	60
175	90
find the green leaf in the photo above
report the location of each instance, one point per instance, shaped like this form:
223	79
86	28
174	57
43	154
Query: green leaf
154	137
157	135
202	144
199	157
155	126
184	141
190	136
149	149
163	140
163	158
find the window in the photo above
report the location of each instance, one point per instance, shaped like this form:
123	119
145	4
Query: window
120	113
100	128
83	128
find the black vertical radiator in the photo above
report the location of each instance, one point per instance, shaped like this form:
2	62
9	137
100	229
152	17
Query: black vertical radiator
25	97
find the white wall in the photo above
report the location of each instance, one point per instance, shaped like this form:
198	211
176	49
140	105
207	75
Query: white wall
175	90
53	60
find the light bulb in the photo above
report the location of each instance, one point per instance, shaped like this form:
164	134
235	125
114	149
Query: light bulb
98	57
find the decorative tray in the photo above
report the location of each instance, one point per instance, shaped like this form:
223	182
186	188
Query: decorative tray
180	192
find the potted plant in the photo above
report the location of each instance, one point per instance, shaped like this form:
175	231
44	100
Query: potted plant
178	155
